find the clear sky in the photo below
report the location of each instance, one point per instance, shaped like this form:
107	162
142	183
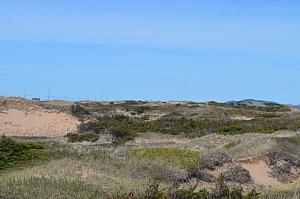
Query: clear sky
151	49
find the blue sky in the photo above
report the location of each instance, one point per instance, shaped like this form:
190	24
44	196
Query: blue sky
151	50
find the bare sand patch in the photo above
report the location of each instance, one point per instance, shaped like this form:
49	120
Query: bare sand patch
36	123
260	172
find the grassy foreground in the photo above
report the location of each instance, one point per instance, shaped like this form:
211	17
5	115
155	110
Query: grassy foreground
57	170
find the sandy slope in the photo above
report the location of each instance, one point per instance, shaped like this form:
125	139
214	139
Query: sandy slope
260	173
38	122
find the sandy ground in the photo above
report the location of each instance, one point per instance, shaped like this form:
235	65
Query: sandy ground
260	173
37	123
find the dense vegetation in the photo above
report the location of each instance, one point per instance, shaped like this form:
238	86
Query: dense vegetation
244	105
160	164
14	154
125	128
86	172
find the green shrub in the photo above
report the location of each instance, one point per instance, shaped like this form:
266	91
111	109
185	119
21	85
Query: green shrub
194	127
222	190
122	135
14	154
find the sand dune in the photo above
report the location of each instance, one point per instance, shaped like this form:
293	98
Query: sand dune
38	122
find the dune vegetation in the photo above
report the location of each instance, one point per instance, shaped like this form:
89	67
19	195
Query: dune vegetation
156	150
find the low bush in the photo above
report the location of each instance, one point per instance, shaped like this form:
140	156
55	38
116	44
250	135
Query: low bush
216	160
223	191
238	174
203	126
122	135
128	128
14	154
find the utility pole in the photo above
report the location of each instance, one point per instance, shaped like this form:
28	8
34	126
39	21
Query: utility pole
48	95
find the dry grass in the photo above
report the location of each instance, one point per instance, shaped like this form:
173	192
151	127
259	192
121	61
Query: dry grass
83	171
83	177
287	191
